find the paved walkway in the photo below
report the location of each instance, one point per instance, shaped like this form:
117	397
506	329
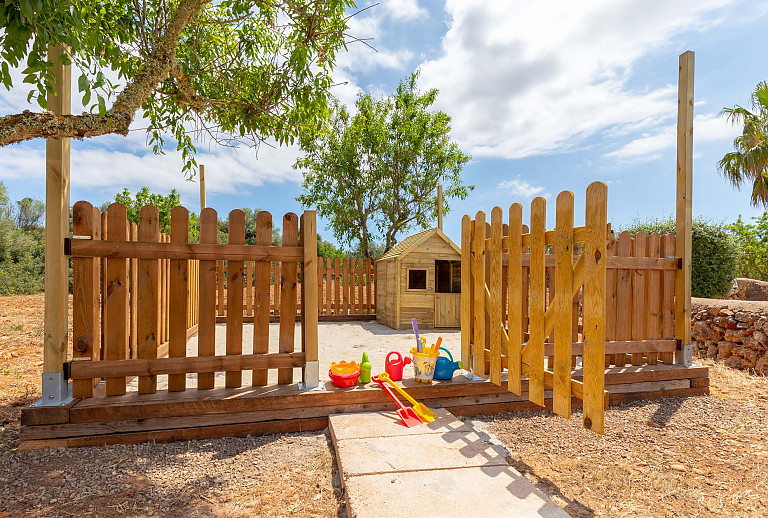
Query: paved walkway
438	469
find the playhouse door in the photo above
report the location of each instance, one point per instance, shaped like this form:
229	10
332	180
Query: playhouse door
447	308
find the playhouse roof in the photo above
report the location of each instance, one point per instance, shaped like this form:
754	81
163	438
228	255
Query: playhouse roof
411	243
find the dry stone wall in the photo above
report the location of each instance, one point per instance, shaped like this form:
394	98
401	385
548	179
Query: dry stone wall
732	331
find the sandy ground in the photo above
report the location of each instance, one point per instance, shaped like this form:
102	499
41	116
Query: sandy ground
337	341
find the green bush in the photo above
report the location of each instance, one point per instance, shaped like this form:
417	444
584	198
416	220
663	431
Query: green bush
753	246
715	254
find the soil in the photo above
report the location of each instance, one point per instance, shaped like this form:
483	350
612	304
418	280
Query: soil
699	456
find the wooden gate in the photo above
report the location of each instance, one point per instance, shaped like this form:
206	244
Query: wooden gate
493	338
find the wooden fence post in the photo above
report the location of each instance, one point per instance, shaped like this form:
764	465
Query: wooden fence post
311	371
684	212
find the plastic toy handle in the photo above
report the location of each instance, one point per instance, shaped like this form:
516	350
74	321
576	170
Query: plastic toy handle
416	331
384	376
399	357
388	391
449	353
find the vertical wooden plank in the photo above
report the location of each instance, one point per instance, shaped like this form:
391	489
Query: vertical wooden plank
116	333
206	330
526	287
84	298
653	296
220	287
309	292
320	271
624	297
249	288
516	295
328	285
345	286
133	265
368	286
494	311
337	287
640	308
535	349
148	293
668	297
288	296
177	297
478	316
235	297
276	287
684	209
352	286
262	272
594	306
97	282
563	305
163	296
360	282
611	300
466	290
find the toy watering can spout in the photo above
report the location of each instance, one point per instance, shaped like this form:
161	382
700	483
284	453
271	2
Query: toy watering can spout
445	367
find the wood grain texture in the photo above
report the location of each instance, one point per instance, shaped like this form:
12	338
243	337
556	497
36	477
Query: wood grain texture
466	290
85	298
495	287
309	289
288	281
533	354
149	301
206	334
515	298
478	294
624	303
563	305
116	326
178	296
262	271
235	297
639	289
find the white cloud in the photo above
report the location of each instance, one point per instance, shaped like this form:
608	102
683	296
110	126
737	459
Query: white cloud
706	128
405	10
518	187
527	78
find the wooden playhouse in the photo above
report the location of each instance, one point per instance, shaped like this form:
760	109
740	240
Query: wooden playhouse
420	278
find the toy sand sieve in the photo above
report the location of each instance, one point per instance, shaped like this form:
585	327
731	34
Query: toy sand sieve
424	364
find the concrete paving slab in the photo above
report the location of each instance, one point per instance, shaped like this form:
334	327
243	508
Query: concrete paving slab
378	424
497	491
415	452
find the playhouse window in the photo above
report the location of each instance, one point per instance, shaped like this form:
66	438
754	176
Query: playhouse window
448	275
417	279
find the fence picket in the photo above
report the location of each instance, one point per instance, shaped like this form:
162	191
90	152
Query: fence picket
563	305
249	288
653	297
466	290
132	292
611	302
640	307
368	283
495	286
262	297
177	297
515	298
288	296
206	331
624	303
235	296
220	303
668	298
336	287
148	294
116	329
478	346
85	297
534	350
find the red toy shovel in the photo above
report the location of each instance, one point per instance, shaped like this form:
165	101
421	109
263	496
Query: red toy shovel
407	415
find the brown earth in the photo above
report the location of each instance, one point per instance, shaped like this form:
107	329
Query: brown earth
700	456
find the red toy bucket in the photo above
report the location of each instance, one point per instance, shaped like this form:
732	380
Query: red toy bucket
344	380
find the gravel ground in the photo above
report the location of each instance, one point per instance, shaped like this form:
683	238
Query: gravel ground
699	456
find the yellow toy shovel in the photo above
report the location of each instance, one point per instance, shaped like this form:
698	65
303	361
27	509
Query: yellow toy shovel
421	409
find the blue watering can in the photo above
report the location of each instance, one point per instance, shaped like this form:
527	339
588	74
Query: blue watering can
444	367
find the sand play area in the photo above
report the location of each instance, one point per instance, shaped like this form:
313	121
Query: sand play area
336	341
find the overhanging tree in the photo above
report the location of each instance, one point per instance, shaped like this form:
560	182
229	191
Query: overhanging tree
375	174
238	71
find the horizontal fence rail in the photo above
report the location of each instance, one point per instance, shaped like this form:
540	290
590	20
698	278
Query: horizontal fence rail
139	295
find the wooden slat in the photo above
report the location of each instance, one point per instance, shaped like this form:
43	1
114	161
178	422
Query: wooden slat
149	296
262	297
234	345
563	304
478	280
611	300
494	309
309	289
368	286
624	296
168	250
116	327
180	366
328	285
533	354
653	296
345	286
320	275
220	309
288	295
466	290
613	347
276	287
639	288
360	280
85	297
249	288
352	286
668	297
177	297
336	286
206	334
594	307
103	283
516	295
133	293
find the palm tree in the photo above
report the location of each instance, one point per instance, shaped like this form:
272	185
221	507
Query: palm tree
749	161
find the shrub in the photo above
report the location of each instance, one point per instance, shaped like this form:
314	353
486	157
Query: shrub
753	247
715	254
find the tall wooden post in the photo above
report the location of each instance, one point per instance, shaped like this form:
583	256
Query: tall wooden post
56	229
440	207
202	187
684	212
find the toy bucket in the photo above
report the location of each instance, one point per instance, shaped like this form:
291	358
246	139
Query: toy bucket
424	365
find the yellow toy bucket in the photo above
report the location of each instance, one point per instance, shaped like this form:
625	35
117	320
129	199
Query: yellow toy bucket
424	364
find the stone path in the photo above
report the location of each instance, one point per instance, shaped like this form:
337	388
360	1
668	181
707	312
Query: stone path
438	469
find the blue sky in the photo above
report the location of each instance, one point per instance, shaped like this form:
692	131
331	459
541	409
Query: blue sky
546	96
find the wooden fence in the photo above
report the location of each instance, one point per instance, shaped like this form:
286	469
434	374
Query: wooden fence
345	287
156	290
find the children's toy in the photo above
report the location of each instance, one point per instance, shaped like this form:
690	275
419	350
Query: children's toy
395	367
344	374
407	415
365	369
444	367
424	363
421	409
416	331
